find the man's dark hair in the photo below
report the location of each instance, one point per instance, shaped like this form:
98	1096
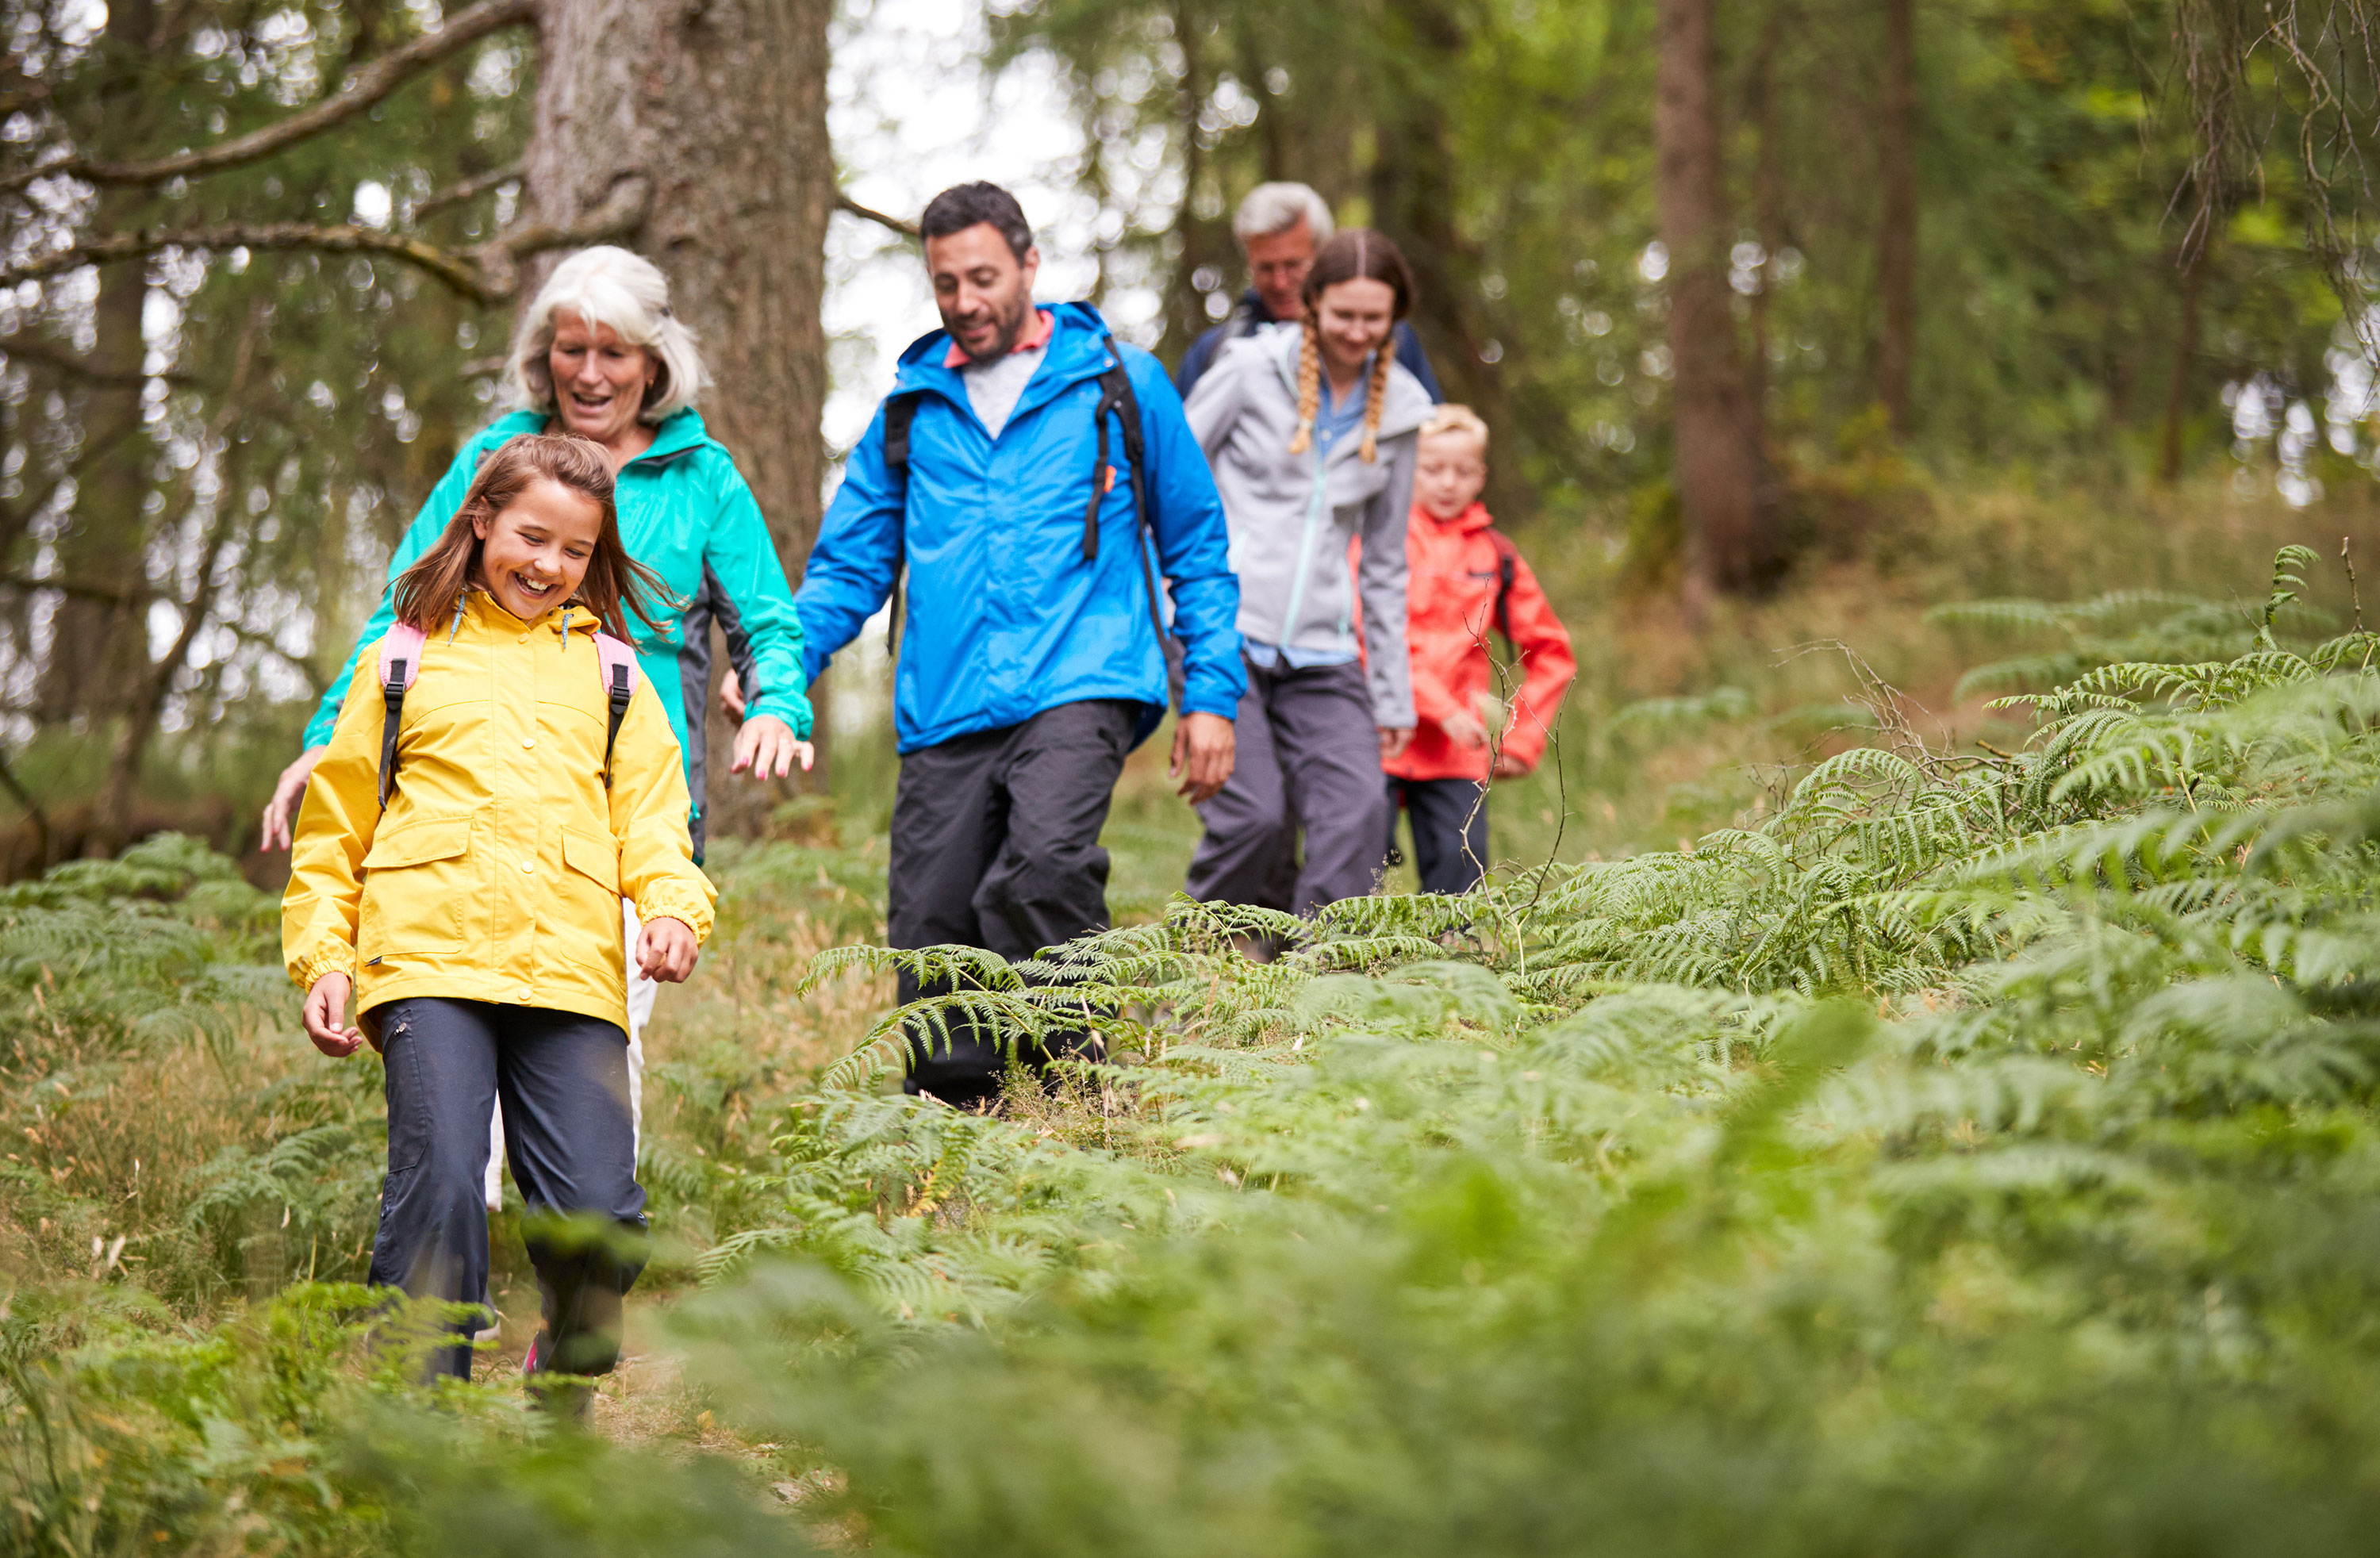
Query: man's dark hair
963	205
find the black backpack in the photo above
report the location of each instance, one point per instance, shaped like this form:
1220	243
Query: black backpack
1115	398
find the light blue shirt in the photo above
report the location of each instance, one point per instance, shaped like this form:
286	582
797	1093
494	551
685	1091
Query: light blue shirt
1333	422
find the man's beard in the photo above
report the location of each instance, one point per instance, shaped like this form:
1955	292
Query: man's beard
1012	325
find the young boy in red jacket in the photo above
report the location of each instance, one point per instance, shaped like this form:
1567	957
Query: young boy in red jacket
1467	581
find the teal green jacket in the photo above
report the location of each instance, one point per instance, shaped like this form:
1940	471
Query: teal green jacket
684	513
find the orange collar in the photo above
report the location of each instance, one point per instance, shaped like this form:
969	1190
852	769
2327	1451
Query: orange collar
1033	338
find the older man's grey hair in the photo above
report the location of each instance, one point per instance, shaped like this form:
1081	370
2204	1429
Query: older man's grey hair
609	285
1276	208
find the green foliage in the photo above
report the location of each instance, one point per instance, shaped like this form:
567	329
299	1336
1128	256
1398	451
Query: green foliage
1975	1155
1970	1152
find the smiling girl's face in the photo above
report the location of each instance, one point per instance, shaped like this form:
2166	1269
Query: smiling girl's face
533	553
1354	317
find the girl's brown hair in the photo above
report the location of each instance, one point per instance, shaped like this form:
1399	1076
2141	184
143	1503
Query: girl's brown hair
431	590
1356	254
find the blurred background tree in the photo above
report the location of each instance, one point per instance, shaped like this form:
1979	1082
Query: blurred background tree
261	265
1708	252
1739	282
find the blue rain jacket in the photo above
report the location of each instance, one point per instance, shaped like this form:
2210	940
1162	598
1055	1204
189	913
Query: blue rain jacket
685	511
1003	618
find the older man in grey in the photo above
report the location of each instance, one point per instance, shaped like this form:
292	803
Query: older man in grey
1281	229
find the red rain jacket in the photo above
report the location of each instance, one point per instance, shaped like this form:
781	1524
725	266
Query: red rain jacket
1459	568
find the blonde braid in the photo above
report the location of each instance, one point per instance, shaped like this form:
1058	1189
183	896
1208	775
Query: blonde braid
1309	387
1383	359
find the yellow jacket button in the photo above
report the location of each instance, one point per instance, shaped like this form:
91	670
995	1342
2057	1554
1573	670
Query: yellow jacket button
527	741
528	865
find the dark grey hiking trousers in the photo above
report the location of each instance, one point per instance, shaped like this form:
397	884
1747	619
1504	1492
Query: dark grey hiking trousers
996	844
1449	830
1308	759
571	1141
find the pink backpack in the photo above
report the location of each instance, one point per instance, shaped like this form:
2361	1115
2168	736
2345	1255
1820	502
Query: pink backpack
400	662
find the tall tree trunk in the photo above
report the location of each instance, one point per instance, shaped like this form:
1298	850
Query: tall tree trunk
144	704
98	650
1206	241
720	107
1415	189
1895	248
2185	362
1767	193
1722	482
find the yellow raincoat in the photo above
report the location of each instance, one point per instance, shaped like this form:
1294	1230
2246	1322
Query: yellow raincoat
497	870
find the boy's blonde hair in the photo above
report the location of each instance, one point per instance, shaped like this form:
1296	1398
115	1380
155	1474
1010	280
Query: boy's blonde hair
1457	418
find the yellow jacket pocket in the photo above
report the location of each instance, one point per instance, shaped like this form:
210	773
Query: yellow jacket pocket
587	929
412	899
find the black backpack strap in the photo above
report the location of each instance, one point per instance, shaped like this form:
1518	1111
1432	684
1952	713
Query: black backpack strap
1505	571
1115	395
391	695
900	411
621	689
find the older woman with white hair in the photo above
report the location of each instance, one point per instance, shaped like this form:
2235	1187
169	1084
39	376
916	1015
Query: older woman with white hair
602	356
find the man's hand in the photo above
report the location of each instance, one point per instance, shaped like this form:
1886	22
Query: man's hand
1205	746
326	1006
281	811
666	950
1394	739
1464	730
731	696
1510	767
767	746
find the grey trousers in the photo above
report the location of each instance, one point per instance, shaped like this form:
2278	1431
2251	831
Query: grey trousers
996	844
1449	830
571	1139
1309	759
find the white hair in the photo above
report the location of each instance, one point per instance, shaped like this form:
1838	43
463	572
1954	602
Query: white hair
609	286
1276	208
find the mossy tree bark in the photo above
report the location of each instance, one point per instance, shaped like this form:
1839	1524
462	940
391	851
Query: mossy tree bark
714	112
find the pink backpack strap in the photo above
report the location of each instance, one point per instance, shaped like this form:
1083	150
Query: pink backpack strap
618	660
400	662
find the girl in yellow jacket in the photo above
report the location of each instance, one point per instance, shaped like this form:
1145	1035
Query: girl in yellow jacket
460	861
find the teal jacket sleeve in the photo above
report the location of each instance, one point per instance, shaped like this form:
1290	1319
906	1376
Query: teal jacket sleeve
742	557
428	526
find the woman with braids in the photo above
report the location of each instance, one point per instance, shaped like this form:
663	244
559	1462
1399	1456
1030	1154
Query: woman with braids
1311	430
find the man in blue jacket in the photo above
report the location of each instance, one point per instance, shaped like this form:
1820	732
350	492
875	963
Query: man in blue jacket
1001	472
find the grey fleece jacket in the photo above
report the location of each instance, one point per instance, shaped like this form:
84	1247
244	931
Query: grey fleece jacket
1291	516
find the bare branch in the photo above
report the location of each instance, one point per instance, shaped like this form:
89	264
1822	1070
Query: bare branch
869	213
50	354
489	273
105	594
266	642
371	84
464	191
622	212
457	273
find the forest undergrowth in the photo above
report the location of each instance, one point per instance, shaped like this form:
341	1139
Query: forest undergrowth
1964	1147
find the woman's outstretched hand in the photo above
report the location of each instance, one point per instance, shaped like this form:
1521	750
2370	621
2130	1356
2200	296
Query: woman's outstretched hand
666	950
326	1007
767	748
281	811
